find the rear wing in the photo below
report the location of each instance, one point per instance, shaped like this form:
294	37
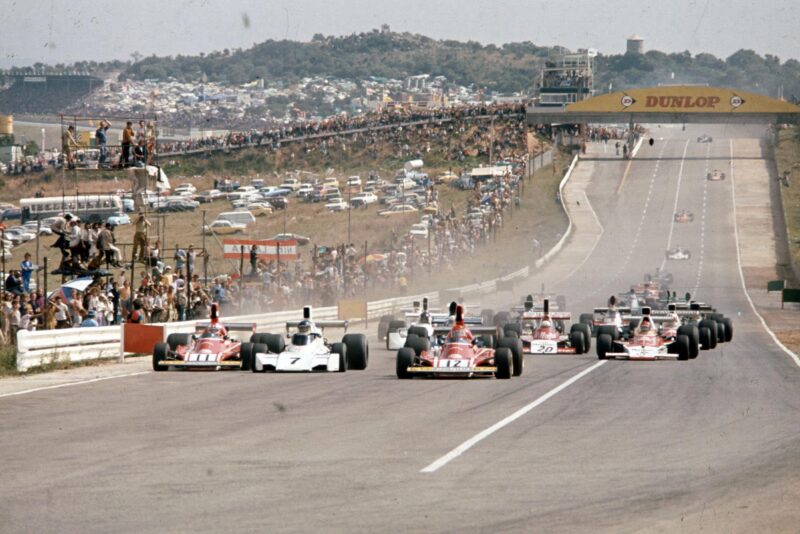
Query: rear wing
443	319
319	324
202	325
538	316
623	310
476	330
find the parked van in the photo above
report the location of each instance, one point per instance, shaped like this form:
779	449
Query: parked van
239	217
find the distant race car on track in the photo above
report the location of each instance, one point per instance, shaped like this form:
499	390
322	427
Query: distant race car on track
715	176
308	349
211	347
678	253
542	332
684	216
704	139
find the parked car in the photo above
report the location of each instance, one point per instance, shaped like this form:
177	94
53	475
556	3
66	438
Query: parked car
184	187
259	208
337	204
398	209
238	217
419	230
224	227
279	203
301	239
292	184
44	229
354	181
209	196
116	220
304	190
363	199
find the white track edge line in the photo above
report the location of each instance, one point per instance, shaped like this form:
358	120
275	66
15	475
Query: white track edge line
474	440
769	331
675	206
69	384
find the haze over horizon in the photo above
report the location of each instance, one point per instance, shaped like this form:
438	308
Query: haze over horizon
50	32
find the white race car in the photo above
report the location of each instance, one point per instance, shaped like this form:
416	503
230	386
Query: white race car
308	349
423	322
678	253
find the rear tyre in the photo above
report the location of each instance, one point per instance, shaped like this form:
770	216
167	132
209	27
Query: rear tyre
417	344
705	338
383	325
587	337
246	355
357	351
587	318
405	359
502	318
604	343
275	342
512	330
504	363
711	324
728	329
693	334
577	341
420	331
176	340
488	341
609	330
160	352
341	350
682	347
720	332
514	345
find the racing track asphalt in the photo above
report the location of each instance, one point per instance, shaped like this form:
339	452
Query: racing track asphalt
709	444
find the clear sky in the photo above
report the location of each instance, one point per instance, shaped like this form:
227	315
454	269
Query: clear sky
64	31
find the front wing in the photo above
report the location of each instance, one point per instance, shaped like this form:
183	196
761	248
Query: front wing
296	362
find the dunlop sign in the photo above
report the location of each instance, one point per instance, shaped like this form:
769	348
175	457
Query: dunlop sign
682	99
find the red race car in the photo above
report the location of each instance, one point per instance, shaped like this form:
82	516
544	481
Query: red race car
211	347
542	332
650	341
458	352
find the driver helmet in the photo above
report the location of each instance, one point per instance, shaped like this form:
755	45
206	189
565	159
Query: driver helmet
425	318
304	326
547	324
457	334
214	330
645	325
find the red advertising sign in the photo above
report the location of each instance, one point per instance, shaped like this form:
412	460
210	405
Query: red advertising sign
267	249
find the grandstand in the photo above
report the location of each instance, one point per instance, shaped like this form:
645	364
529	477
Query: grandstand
44	93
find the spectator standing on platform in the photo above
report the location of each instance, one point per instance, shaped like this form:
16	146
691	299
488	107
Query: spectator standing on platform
127	144
27	269
61	313
69	143
90	320
101	136
140	238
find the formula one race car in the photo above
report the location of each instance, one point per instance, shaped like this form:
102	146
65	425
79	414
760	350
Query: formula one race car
457	352
678	253
715	176
423	324
308	349
651	340
213	348
704	139
542	332
684	216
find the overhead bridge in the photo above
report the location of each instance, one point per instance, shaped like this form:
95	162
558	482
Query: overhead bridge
670	104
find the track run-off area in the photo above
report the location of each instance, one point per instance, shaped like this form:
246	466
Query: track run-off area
574	444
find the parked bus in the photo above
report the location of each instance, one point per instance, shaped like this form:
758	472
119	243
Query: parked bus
92	208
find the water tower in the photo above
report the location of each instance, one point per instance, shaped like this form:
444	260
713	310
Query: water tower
635	45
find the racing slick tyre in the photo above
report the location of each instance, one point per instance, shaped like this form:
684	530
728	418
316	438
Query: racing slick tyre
705	338
357	351
394	325
417	344
501	318
711	325
680	347
512	330
487	315
693	334
561	302
383	325
258	348
609	330
728	329
514	344
176	340
604	343
587	337
246	354
405	359
341	350
586	318
274	342
488	341
720	332
504	363
420	331
576	340
160	352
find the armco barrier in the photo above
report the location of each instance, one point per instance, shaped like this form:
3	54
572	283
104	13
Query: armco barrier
73	344
555	250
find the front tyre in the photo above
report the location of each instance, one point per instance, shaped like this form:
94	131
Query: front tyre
160	352
357	351
405	359
504	363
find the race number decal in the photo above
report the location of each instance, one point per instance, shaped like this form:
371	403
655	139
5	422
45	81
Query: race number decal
545	347
202	357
